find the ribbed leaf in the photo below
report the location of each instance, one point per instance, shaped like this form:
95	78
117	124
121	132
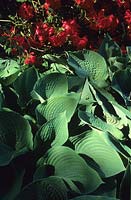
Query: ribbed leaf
15	132
94	121
53	106
70	165
92	143
89	64
54	132
24	85
51	188
51	85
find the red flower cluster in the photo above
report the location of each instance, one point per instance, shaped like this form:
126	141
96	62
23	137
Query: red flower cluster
26	11
54	4
68	24
128	17
30	59
101	22
85	4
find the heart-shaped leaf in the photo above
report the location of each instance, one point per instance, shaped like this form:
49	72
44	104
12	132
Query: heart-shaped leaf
70	165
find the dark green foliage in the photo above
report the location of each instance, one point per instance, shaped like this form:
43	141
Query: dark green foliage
66	133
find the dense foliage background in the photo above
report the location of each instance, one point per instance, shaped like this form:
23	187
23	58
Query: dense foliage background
65	100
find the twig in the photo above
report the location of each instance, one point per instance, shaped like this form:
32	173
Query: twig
1	45
5	20
36	49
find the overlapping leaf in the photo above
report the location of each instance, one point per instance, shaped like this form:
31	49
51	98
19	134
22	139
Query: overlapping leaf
24	85
54	132
90	64
70	165
51	85
93	144
15	135
94	121
109	48
51	188
54	106
9	70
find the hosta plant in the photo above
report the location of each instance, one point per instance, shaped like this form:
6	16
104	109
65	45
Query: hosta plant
66	133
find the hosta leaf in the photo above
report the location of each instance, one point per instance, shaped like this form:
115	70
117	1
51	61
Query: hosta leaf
51	188
24	85
16	185
91	197
109	48
123	109
92	143
122	78
114	116
6	154
51	85
8	67
53	132
70	165
86	95
54	106
9	70
89	64
75	83
15	132
125	188
128	48
94	121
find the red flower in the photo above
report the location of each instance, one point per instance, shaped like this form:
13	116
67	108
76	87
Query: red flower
26	11
20	41
127	17
124	3
79	42
30	59
55	4
71	27
85	4
59	39
42	32
100	21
